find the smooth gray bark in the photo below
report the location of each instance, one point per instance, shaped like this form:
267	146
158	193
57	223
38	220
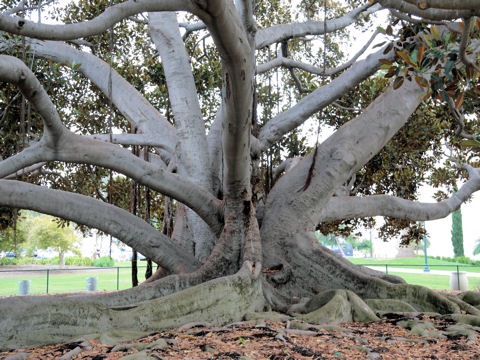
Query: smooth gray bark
191	150
277	33
131	104
320	98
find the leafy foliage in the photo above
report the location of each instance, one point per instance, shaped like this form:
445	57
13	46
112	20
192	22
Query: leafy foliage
104	261
46	233
457	233
476	250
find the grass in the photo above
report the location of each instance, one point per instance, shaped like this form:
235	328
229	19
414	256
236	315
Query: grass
73	281
438	282
419	261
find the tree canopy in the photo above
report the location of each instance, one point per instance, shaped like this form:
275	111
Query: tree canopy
44	233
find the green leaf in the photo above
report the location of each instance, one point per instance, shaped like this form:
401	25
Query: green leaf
448	69
469	143
444	95
435	33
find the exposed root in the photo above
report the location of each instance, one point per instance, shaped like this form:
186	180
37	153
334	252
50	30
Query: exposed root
337	306
304	269
219	301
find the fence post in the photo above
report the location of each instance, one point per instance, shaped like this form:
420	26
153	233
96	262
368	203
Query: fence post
48	278
118	277
458	279
386	268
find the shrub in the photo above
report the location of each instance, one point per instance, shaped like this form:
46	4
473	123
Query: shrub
25	260
53	261
464	260
8	261
42	261
78	261
104	261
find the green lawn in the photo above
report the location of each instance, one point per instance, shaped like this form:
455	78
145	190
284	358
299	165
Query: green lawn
419	261
440	282
73	281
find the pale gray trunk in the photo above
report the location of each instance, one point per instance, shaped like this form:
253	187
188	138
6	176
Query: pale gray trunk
191	150
61	258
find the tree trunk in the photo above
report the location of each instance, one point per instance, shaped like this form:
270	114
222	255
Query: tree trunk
61	258
134	268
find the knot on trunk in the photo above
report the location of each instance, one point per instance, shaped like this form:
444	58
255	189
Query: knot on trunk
278	274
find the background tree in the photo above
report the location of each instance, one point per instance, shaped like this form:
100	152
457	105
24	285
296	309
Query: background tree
14	239
45	233
476	250
218	97
457	233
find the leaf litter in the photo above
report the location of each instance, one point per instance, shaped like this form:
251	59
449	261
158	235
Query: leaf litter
386	339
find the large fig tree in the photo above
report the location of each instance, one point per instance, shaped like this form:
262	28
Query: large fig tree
243	237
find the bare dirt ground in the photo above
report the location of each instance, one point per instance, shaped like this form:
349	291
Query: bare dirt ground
260	339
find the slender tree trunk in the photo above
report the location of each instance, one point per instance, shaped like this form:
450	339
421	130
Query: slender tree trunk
133	210
61	260
149	271
15	220
134	269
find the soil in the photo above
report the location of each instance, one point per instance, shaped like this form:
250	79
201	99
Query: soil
385	339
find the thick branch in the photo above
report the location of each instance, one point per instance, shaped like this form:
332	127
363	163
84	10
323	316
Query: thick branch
16	72
278	33
192	140
130	229
385	205
446	4
237	56
320	98
192	146
99	24
290	63
338	158
78	149
133	105
455	11
130	139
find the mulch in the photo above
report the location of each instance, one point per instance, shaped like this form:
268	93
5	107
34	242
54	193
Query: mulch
277	340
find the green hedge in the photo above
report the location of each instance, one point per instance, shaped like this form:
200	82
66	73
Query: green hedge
69	260
78	261
459	260
104	261
8	261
